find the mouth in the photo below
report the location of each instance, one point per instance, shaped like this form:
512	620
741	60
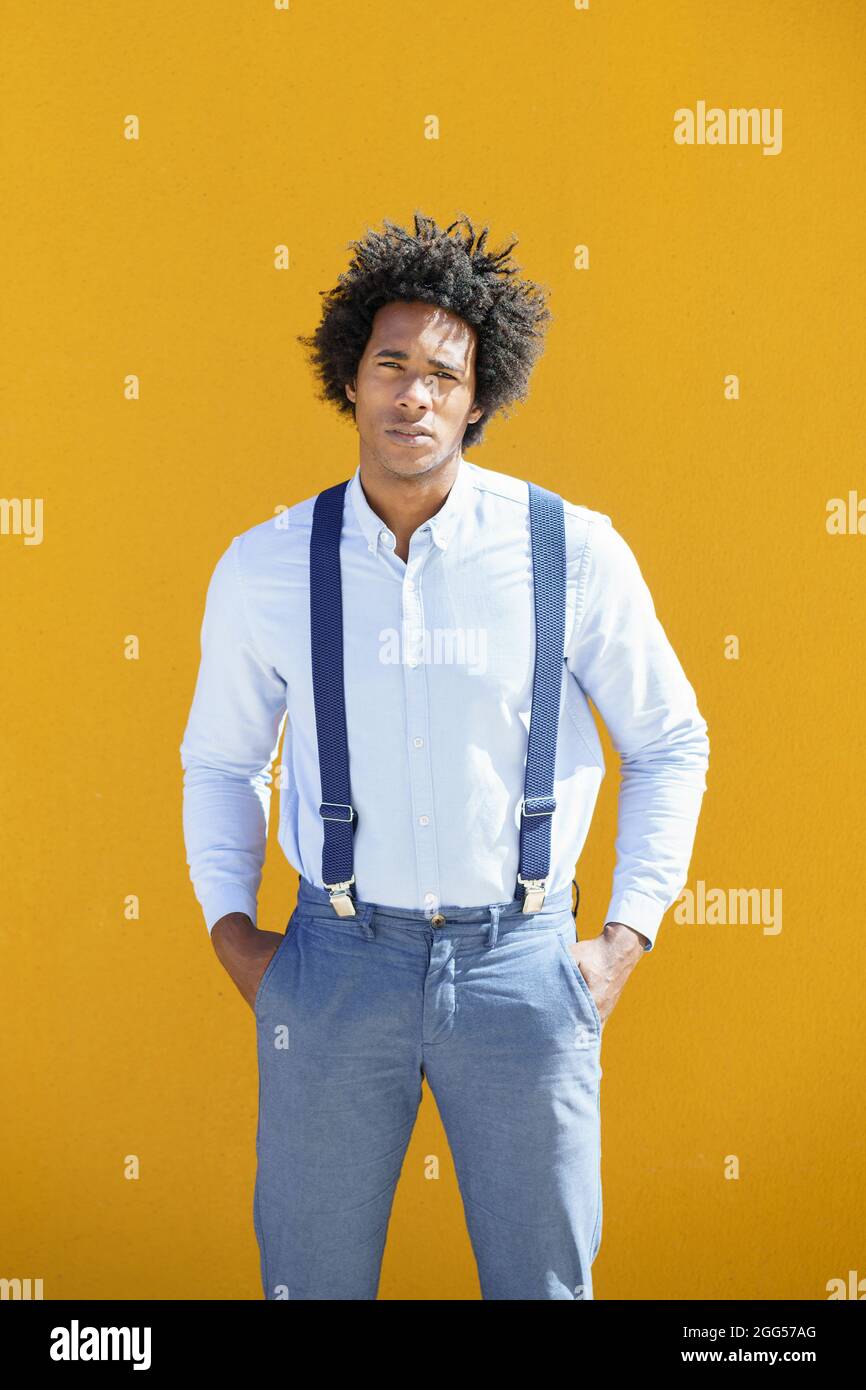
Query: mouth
413	438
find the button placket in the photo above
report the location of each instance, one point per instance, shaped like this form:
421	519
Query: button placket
418	724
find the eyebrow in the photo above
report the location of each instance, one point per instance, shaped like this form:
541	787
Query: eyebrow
404	357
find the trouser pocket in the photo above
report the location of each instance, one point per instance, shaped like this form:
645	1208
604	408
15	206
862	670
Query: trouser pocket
579	979
269	968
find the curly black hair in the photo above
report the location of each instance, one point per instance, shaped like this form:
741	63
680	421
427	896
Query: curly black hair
454	272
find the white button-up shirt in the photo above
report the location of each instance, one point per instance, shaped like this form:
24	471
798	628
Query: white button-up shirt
438	673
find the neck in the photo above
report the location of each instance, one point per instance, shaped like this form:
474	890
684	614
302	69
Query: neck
405	503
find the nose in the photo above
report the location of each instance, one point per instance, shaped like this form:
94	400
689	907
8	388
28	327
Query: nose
415	391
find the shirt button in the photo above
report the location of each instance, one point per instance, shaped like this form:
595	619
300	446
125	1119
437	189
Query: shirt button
423	820
411	661
430	896
419	743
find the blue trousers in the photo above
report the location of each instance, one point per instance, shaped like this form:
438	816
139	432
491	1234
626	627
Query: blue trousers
489	1006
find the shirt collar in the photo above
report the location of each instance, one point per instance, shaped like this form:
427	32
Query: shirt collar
442	525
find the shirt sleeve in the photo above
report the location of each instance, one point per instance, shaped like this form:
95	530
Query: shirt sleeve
231	739
620	656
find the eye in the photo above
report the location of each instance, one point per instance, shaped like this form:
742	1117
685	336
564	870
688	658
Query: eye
448	375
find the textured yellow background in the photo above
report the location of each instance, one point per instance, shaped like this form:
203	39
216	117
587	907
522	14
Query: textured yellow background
155	257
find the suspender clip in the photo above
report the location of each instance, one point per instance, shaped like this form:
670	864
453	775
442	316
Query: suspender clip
341	898
533	897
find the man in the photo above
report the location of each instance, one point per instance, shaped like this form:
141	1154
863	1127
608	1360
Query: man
391	627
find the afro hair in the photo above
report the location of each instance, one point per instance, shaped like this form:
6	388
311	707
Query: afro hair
452	271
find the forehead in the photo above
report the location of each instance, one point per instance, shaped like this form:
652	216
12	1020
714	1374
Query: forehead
404	324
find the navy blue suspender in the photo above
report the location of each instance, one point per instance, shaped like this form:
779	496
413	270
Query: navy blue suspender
547	530
326	645
547	533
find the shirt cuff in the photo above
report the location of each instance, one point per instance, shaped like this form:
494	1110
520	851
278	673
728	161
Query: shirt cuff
637	910
231	897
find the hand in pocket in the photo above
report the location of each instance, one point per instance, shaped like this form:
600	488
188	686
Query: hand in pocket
245	951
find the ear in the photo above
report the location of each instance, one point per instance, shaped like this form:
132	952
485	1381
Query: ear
475	414
350	391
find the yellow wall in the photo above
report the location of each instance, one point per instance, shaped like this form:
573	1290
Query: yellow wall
306	126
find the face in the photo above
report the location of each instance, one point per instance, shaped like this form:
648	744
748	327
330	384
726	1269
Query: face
417	373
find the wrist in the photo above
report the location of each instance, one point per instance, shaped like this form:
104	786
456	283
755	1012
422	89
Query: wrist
232	930
627	940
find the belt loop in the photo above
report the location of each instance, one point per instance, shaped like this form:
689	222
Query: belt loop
494	924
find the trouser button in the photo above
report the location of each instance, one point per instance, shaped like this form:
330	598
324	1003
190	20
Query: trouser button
437	919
